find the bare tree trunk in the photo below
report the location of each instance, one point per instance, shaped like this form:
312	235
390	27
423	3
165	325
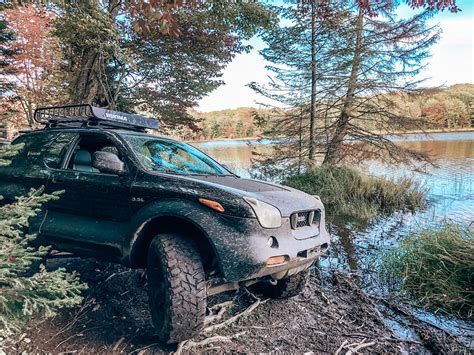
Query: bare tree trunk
312	122
86	85
28	110
91	77
300	143
331	156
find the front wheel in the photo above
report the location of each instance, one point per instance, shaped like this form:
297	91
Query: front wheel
287	287
176	288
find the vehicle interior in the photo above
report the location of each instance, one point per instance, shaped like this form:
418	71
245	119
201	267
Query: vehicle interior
82	157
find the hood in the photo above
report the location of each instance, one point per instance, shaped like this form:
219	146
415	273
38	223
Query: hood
286	199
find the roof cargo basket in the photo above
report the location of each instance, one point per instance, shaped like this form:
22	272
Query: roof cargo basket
85	115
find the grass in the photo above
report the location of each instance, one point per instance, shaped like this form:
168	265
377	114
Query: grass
436	268
348	193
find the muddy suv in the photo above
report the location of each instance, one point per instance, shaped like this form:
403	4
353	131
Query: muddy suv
150	202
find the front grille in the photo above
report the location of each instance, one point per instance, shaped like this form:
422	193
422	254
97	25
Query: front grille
302	219
305	219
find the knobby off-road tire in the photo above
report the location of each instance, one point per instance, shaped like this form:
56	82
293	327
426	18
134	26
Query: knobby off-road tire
288	287
176	288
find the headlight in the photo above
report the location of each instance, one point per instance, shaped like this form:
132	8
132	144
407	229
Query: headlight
268	215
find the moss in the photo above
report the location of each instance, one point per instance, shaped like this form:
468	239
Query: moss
436	268
348	193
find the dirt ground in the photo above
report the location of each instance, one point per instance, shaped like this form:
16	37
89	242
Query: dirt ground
332	315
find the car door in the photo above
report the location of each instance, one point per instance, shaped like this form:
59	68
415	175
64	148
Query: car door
91	214
28	169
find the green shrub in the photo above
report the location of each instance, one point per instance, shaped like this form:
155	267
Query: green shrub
346	192
436	268
22	293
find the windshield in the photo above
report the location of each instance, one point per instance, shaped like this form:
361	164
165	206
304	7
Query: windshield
172	157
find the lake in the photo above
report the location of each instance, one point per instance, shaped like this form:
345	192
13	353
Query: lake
450	186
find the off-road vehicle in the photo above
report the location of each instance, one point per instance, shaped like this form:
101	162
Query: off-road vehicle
146	201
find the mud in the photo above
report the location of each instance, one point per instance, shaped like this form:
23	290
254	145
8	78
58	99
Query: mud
332	315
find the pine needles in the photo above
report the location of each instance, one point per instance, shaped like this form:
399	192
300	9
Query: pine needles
22	295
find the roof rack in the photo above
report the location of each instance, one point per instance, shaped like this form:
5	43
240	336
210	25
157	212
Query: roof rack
85	115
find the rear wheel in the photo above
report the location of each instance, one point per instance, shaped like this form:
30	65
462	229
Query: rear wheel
176	288
287	287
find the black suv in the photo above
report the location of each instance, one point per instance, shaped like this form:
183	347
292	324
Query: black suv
145	201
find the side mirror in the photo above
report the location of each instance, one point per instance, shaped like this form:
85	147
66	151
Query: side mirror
108	163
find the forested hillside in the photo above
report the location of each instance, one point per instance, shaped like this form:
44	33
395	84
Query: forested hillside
443	108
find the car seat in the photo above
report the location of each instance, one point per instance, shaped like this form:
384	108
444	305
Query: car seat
83	162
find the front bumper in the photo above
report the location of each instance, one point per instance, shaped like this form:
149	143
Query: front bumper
243	250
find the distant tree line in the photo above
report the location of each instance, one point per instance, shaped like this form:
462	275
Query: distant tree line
439	108
230	123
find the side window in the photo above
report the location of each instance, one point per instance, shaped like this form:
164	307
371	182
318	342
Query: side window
38	150
83	154
54	151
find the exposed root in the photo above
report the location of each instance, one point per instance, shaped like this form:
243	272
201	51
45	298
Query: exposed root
221	308
231	320
190	344
354	347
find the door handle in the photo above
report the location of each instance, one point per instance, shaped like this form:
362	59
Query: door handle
56	181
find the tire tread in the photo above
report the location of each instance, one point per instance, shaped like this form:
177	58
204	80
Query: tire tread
186	294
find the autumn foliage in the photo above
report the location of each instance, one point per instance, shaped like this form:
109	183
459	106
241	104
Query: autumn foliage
35	59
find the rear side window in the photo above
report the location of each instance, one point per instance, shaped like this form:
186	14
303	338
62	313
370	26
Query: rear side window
54	151
40	150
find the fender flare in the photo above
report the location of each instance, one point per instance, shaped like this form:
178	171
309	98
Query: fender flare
190	212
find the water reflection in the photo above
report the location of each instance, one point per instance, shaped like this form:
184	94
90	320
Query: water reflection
236	154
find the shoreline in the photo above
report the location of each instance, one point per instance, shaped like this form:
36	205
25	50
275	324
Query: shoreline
223	139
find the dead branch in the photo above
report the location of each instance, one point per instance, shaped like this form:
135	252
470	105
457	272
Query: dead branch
360	346
117	344
231	320
141	351
221	309
190	344
341	347
353	348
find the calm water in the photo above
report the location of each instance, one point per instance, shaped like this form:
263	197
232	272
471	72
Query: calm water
450	186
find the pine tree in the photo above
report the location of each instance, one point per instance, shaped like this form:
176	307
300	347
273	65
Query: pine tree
303	62
22	295
384	55
363	63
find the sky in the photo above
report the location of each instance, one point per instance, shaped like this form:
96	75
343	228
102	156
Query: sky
452	62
